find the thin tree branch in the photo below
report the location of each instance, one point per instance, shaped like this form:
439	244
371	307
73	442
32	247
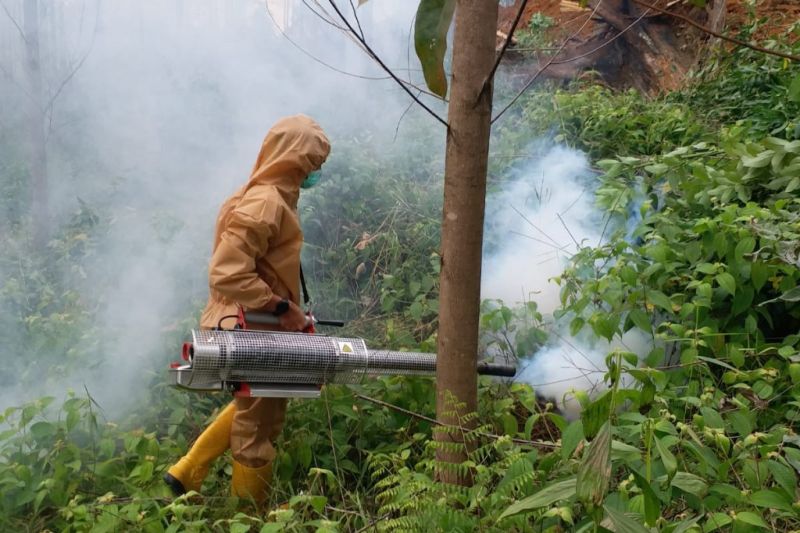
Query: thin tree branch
358	22
326	18
377	59
510	36
400	120
718	35
14	22
48	109
435	422
312	56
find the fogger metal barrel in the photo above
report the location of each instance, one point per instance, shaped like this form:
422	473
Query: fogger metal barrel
278	364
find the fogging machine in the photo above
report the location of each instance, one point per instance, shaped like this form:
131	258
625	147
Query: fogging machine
256	363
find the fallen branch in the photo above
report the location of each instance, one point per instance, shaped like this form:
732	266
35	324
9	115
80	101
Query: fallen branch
536	443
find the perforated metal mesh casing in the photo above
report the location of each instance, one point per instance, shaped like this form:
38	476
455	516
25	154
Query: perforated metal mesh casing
298	358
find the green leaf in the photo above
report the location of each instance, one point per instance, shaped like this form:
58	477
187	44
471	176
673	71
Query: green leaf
670	463
784	476
771	499
605	324
745	246
726	282
706	268
42	430
794	89
759	272
751	519
562	490
690	483
596	414
792	295
430	41
716	521
641	320
594	472
652	507
660	299
570	438
712	418
623	524
758	161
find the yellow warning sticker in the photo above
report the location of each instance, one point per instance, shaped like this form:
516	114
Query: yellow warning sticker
346	347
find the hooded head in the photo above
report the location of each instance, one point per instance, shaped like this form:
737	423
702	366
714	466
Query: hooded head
294	147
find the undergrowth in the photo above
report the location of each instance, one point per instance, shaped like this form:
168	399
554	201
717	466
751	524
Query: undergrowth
697	436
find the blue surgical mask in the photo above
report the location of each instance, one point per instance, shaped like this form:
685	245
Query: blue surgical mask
311	180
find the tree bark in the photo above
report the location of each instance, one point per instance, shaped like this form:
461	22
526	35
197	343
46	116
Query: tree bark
37	162
469	115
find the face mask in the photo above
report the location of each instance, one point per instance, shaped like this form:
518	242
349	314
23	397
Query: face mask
311	180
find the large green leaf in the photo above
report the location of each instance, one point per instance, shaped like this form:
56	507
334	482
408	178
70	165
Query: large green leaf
596	414
623	524
594	473
794	89
690	483
571	438
751	519
562	490
772	500
652	506
430	41
670	463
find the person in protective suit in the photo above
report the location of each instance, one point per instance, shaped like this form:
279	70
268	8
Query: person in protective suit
256	264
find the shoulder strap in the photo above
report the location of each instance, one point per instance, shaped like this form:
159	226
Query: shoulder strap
306	297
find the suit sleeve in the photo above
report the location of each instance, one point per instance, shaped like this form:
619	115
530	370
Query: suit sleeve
232	270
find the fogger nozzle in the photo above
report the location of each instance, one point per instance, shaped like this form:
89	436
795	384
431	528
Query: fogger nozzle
294	364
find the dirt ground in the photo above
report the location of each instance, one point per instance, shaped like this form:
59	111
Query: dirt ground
774	17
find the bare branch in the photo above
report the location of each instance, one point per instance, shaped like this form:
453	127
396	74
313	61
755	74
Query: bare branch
718	35
400	120
358	22
14	21
312	56
510	36
378	60
325	18
48	109
435	422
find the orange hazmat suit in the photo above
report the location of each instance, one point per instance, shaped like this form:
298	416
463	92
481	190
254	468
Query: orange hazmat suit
256	257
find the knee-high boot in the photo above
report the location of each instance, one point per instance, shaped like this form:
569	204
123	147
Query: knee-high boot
190	471
252	483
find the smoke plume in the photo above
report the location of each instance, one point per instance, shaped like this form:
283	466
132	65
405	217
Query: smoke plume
544	214
157	112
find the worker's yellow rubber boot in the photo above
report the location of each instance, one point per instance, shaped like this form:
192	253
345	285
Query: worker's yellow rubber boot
251	483
190	471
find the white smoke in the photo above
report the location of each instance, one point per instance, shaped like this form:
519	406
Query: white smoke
544	215
161	119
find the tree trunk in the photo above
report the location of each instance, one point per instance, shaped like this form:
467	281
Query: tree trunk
466	159
37	163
